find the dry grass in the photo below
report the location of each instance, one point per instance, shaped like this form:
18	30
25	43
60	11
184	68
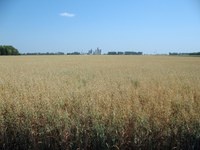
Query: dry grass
99	102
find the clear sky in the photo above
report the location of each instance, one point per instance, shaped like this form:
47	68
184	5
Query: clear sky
150	26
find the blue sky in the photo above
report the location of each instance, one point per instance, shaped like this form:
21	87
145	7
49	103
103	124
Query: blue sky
151	26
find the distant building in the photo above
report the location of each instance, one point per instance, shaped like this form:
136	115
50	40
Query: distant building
97	52
90	52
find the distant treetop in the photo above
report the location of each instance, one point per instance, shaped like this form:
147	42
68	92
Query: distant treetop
8	50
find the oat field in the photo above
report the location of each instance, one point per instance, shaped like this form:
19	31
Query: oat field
99	102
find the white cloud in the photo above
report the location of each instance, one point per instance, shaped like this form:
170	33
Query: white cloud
66	14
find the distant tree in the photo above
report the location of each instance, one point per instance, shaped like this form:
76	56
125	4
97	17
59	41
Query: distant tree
173	53
112	53
195	53
74	53
132	53
120	53
8	50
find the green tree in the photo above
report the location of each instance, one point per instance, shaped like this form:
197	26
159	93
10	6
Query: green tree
8	50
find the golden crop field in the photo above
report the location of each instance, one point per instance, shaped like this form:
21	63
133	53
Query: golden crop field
99	102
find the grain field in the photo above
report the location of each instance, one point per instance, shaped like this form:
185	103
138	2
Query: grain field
99	102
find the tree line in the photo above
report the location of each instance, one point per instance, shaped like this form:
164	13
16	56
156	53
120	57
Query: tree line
194	53
47	53
8	50
124	53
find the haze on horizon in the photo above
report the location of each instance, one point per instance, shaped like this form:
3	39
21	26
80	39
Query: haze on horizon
133	25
